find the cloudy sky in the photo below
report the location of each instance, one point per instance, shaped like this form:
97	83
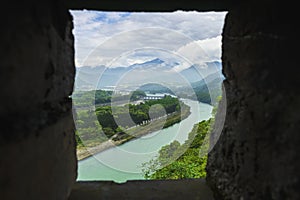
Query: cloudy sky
120	39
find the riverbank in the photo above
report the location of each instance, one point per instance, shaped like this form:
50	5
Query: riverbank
124	162
136	132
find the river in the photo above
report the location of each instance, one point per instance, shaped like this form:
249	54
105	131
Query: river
124	162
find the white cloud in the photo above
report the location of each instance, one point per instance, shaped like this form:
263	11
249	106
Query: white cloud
201	51
112	34
212	47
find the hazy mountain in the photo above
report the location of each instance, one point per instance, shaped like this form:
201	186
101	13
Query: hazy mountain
197	72
87	77
207	90
155	88
153	71
156	63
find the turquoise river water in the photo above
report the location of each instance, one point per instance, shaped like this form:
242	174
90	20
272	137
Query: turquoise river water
123	162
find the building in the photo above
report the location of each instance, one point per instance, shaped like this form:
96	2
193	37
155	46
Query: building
157	96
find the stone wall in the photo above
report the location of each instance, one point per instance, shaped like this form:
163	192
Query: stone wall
37	146
191	189
257	156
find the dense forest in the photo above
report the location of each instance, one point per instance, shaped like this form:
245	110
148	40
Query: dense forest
88	129
126	121
114	119
176	161
113	122
187	160
98	97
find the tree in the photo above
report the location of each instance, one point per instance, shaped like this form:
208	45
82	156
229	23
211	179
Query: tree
188	163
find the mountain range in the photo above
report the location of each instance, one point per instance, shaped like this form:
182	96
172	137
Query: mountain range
153	71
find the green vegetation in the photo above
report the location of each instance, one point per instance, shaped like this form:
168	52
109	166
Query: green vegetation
136	95
205	91
118	123
208	96
115	119
88	129
176	161
181	161
89	98
153	126
155	88
208	92
96	97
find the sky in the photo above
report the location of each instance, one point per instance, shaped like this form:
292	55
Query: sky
120	39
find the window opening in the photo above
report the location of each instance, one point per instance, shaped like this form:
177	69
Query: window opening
145	90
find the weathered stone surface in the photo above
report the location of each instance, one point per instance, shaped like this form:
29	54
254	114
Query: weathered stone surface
150	6
41	166
257	155
191	189
37	65
37	146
